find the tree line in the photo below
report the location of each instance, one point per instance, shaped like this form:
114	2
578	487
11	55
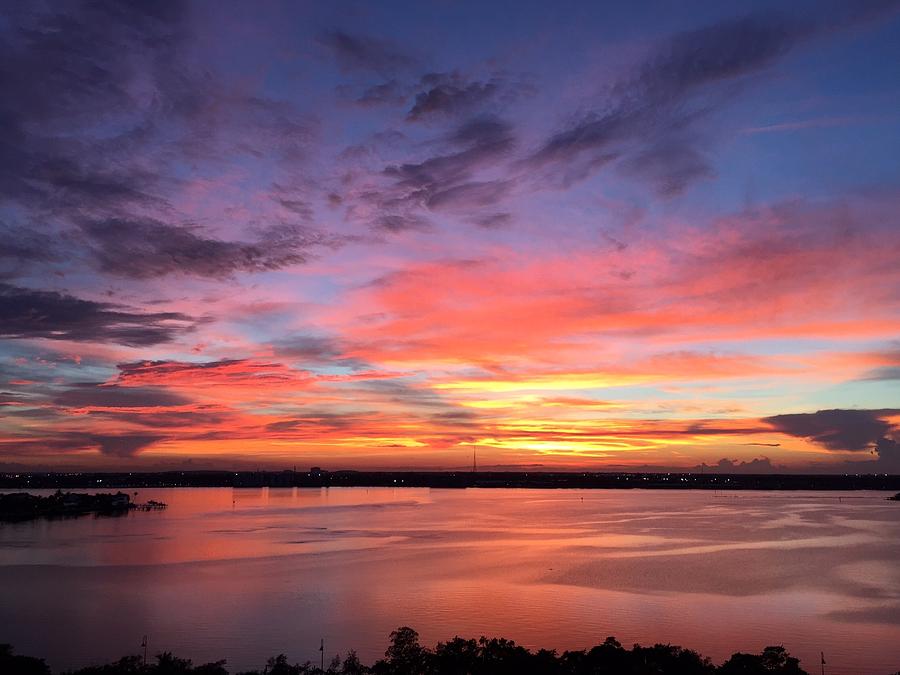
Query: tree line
459	656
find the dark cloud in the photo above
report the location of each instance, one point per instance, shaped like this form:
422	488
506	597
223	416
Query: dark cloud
439	96
308	347
888	451
395	222
172	419
650	126
99	395
671	165
446	180
314	351
449	94
386	93
365	53
20	248
47	314
721	51
150	407
68	69
158	368
296	206
104	106
456	418
237	371
884	373
8	398
20	245
847	430
68	184
148	248
710	428
312	423
113	445
493	220
470	195
756	465
125	445
487	133
475	142
30	448
891	370
850	14
885	459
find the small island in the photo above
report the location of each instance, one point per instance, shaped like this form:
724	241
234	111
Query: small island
19	506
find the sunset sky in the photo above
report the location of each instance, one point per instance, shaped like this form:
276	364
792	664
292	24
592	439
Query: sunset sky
375	235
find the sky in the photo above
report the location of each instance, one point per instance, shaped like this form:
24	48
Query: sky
605	236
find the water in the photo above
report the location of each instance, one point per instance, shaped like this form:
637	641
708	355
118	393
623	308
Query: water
245	574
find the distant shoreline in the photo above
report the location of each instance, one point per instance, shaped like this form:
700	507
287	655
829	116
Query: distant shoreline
318	478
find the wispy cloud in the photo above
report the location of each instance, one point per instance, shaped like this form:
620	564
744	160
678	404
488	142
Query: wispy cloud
57	316
364	52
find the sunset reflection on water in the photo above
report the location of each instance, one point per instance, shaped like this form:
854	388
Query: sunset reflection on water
243	574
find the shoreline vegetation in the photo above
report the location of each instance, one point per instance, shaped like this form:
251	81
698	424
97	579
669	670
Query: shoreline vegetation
484	656
318	477
20	506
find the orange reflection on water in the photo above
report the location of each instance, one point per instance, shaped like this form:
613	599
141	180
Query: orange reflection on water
243	574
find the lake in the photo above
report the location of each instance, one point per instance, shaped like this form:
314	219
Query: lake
244	574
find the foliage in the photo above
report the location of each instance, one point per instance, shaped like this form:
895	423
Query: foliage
772	660
460	656
13	664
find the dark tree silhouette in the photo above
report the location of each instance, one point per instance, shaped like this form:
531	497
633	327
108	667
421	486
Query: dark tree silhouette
127	665
352	665
772	660
20	665
459	656
404	656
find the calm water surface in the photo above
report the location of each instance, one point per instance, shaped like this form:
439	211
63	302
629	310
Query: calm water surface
244	574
